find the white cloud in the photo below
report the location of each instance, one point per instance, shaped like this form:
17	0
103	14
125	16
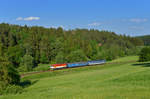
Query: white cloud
28	18
19	19
94	24
137	27
138	20
31	18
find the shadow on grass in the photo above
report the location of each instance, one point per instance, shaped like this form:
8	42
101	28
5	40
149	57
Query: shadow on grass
27	83
142	64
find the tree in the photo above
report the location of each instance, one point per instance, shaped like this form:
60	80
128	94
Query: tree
8	74
76	56
144	54
26	63
43	58
60	58
14	54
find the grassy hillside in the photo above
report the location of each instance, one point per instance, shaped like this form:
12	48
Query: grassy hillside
110	81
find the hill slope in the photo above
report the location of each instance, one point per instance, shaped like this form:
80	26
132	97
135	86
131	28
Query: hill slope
146	39
109	81
56	45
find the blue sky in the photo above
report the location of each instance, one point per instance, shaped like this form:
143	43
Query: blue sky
130	17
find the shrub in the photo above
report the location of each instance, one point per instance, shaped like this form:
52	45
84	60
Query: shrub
76	56
144	54
26	63
44	59
12	89
8	73
60	58
2	87
25	83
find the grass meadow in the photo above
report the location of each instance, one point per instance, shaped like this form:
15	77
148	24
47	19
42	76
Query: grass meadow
127	80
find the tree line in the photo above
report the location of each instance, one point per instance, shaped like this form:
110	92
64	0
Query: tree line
146	39
27	46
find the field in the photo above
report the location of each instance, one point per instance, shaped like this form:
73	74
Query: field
120	80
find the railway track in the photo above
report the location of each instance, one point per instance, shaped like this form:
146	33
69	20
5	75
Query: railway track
35	72
38	72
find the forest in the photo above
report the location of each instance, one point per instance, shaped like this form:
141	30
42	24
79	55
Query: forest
27	46
146	39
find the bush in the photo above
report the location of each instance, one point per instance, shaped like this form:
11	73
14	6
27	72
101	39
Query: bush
60	58
44	59
144	54
2	87
76	56
8	74
42	67
26	63
25	83
12	89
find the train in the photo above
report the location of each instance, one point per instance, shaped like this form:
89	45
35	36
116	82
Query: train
76	64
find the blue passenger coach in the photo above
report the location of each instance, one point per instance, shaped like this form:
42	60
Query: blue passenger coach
96	62
78	64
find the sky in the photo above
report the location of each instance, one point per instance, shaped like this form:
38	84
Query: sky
130	17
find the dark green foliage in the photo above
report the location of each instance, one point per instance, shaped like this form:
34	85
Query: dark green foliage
14	54
25	83
144	54
26	63
44	59
76	56
8	74
2	87
12	89
60	58
146	39
55	45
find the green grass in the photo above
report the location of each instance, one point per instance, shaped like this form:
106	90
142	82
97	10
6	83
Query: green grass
128	58
109	81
